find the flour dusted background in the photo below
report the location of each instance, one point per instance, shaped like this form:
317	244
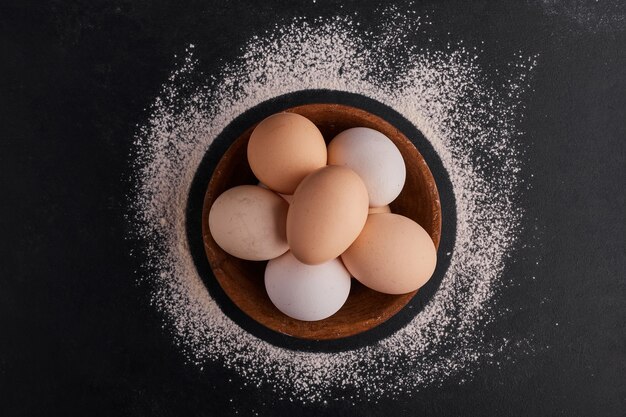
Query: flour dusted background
445	96
115	112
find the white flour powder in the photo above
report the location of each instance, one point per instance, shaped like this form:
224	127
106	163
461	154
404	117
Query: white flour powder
445	94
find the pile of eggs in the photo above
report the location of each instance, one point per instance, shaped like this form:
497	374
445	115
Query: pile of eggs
320	215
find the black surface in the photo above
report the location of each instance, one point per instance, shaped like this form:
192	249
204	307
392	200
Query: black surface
78	335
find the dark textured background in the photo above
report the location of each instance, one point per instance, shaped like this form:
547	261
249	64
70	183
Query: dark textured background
78	335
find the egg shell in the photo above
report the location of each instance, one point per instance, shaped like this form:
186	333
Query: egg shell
249	222
375	158
327	213
393	254
382	209
283	149
307	292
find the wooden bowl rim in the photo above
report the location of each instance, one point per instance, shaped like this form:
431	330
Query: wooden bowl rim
401	300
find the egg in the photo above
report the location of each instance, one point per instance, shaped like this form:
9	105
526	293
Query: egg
375	158
249	222
327	213
382	209
307	292
393	254
283	149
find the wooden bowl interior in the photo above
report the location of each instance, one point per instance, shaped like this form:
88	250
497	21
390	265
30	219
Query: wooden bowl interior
243	280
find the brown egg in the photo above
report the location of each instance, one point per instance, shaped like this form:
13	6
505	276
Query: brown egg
283	149
382	209
393	254
327	213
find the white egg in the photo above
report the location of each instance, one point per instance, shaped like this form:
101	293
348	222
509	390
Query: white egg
307	292
375	158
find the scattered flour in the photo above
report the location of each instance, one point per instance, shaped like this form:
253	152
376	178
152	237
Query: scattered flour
593	16
445	94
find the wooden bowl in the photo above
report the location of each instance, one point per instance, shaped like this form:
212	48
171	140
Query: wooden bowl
243	281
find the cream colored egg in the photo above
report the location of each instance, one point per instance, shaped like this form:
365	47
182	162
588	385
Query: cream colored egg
393	254
283	149
327	213
249	222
